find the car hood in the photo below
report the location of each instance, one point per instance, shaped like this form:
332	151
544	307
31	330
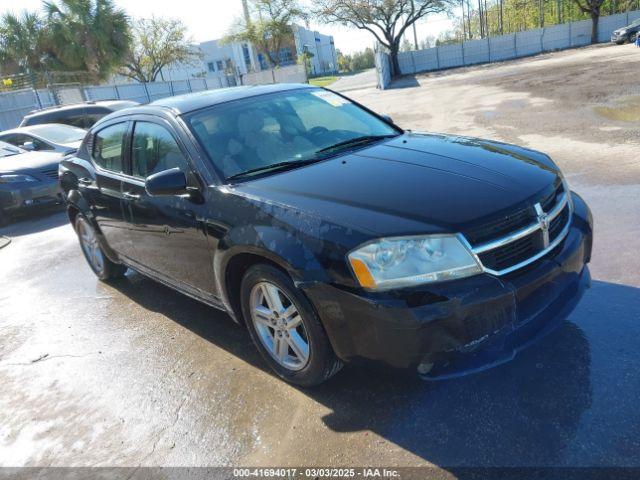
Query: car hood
414	183
30	161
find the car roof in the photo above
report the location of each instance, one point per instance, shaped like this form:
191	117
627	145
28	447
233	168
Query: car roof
194	101
117	104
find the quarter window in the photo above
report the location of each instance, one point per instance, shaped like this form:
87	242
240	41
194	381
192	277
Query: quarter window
155	150
107	147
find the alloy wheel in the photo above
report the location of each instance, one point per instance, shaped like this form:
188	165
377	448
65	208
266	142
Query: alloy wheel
90	245
279	326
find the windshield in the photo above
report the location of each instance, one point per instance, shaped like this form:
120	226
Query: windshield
635	23
6	150
58	133
251	135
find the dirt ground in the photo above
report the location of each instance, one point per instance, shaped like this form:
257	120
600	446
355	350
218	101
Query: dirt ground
134	374
581	106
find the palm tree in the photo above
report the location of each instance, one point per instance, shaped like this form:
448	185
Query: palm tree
22	43
88	35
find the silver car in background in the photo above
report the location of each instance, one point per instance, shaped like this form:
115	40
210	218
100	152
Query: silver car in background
48	137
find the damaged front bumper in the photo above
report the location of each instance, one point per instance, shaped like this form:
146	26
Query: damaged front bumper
461	326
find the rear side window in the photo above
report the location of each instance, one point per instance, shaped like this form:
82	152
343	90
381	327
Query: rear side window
107	147
154	150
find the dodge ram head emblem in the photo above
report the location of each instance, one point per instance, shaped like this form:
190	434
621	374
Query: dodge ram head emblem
543	221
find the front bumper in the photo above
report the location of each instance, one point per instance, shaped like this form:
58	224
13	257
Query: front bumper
618	37
29	195
460	326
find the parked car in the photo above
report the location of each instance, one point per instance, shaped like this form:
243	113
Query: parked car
27	180
331	233
53	137
626	34
81	115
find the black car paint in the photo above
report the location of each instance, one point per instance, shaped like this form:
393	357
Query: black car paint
306	220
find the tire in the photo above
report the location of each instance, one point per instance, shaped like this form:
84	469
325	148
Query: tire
4	219
104	268
298	328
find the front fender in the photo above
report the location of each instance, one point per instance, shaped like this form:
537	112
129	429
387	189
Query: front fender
289	251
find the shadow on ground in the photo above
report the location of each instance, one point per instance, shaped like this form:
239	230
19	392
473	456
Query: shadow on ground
526	412
35	221
407	81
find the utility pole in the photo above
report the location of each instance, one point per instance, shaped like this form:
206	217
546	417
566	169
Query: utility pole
464	22
415	32
245	9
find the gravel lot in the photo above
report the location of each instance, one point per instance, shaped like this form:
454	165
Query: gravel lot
132	373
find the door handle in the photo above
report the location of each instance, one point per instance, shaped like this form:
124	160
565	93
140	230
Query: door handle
131	196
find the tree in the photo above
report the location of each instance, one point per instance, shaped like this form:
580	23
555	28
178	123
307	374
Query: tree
344	61
158	42
592	8
387	20
363	60
88	35
271	30
22	43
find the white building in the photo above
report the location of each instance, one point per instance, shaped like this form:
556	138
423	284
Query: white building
324	60
235	59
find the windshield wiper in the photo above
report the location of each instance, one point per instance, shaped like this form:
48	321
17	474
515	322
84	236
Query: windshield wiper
352	142
275	166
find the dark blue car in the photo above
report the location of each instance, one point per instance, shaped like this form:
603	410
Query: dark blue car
28	180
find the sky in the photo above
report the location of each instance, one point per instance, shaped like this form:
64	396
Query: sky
211	19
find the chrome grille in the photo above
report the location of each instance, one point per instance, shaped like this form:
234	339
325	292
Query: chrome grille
546	227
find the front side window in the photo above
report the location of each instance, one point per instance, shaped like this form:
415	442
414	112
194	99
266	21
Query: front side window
154	150
257	133
107	147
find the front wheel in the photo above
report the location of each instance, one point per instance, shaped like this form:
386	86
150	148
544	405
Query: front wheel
285	328
104	268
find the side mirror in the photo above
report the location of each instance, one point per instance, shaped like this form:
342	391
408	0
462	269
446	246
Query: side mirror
387	119
30	146
167	183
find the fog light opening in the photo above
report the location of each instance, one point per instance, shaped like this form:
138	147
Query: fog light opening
424	368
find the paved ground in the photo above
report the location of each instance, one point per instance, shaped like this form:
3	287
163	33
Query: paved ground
364	79
134	374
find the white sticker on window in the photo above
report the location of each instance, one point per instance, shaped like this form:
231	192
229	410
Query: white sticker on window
331	98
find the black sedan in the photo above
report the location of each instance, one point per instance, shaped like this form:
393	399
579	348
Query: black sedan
626	34
28	180
331	233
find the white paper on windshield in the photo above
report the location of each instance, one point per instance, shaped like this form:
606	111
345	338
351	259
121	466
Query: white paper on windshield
331	98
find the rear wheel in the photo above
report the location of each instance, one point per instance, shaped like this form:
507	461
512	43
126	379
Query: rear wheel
4	220
104	268
285	328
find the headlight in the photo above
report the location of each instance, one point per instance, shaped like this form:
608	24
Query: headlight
406	261
16	178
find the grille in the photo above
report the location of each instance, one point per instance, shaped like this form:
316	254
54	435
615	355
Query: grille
558	223
510	254
512	222
499	254
50	173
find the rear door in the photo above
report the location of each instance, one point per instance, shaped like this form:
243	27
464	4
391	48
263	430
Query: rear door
166	234
104	191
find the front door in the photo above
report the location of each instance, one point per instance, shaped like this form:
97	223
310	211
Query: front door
165	233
